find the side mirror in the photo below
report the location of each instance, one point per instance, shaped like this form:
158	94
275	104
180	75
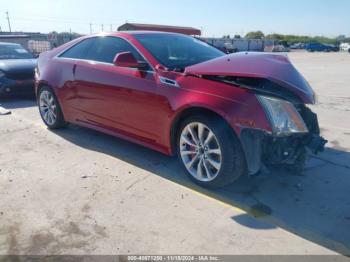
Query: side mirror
127	59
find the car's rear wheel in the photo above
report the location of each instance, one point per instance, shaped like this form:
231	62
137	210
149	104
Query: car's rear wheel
209	151
50	109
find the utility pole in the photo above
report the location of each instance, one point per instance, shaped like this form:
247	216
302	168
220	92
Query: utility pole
90	28
8	21
111	28
102	28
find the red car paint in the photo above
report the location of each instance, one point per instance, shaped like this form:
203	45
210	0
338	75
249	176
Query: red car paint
138	106
276	68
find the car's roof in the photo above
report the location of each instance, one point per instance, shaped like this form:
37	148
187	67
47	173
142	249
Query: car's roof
6	43
137	32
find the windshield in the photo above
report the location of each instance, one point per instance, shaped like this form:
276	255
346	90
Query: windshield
14	52
177	51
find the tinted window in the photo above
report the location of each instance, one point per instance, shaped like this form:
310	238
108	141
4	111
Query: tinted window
104	49
78	51
14	52
177	51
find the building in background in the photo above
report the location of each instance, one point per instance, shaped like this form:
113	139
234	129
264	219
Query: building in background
21	39
36	46
230	45
37	42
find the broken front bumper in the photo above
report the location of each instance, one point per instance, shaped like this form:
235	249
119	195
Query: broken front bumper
263	148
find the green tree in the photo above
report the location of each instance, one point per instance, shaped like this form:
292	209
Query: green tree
292	39
274	36
255	35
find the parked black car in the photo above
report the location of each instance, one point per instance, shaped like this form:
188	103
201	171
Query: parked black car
16	69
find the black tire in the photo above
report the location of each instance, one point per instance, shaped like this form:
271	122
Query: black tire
59	121
233	162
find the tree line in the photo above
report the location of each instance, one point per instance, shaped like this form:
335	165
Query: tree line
291	39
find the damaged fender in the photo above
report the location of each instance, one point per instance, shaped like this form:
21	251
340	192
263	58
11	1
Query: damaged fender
268	75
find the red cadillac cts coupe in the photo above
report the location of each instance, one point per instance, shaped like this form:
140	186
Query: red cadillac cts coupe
223	115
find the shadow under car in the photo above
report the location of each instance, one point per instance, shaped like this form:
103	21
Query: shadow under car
315	206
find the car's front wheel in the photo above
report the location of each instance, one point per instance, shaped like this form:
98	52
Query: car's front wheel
50	109
210	152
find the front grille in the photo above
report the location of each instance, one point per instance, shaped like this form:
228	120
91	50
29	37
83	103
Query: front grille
20	75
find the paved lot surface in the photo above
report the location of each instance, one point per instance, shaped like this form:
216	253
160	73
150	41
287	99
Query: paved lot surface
76	191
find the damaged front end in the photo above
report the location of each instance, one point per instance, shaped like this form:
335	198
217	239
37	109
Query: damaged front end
294	126
283	94
286	148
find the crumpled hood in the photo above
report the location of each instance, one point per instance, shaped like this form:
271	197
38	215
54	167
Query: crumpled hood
274	67
17	65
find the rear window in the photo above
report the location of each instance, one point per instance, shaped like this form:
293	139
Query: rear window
104	49
78	51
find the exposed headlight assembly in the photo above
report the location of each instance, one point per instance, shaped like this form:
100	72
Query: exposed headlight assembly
284	118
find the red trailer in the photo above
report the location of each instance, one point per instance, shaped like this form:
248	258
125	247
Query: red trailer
163	28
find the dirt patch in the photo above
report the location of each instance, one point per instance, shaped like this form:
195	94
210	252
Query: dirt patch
61	237
12	241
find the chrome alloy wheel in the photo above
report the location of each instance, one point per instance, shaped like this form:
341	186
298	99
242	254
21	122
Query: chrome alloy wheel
48	108
200	152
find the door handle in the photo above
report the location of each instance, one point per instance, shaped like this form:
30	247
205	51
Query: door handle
74	69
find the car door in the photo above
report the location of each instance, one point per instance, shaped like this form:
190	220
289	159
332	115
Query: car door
65	64
118	99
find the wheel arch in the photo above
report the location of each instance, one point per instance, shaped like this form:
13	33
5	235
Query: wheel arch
190	111
42	84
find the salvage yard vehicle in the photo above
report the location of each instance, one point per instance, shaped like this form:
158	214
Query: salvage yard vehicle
297	46
345	47
16	69
223	115
276	48
318	47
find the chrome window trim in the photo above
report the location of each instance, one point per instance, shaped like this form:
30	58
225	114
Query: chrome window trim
104	63
58	56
